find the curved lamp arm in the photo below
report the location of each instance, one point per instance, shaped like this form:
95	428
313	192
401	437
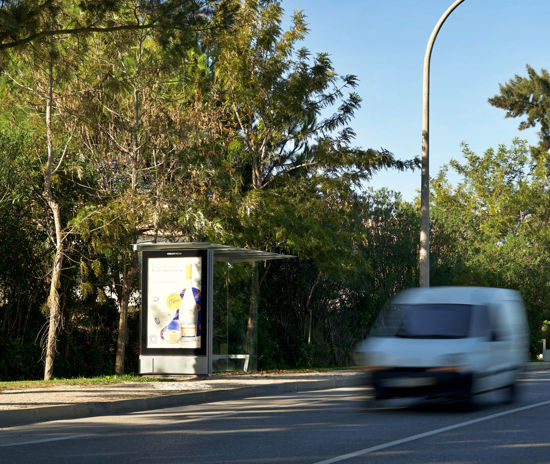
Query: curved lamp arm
424	255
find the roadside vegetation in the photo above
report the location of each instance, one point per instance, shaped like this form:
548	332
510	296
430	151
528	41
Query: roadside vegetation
206	121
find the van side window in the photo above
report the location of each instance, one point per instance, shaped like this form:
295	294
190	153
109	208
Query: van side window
500	323
481	326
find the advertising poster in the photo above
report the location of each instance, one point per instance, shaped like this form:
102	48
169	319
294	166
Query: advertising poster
174	302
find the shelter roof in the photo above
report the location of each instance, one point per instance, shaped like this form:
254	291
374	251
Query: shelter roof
224	253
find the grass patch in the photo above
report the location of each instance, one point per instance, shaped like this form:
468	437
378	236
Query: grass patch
106	380
113	379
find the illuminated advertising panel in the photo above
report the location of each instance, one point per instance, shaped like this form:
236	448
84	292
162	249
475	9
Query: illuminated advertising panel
174	302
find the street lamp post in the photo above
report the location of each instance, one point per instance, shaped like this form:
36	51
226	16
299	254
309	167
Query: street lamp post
424	255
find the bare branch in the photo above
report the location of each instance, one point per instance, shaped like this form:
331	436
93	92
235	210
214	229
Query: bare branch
77	30
16	82
108	224
64	153
286	171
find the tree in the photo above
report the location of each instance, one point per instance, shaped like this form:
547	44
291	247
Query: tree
492	228
153	117
331	299
148	130
24	22
278	100
22	254
55	39
528	97
390	228
35	75
290	144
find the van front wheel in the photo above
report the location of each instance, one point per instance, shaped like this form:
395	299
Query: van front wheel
511	392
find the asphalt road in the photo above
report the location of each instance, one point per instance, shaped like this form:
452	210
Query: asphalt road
327	426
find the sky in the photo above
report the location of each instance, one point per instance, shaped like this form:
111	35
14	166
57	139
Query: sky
482	44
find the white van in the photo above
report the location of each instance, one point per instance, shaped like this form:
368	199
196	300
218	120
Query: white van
451	342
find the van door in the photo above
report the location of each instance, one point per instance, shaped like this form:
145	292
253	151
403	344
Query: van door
501	369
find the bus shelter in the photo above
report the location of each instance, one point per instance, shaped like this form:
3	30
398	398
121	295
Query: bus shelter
177	290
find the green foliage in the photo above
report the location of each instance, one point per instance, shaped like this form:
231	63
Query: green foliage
492	229
528	97
199	121
389	233
293	174
23	248
27	21
289	112
340	303
20	360
231	302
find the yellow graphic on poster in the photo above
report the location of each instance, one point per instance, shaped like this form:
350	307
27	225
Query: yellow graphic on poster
174	302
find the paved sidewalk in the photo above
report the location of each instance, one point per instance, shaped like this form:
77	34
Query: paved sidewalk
26	406
18	407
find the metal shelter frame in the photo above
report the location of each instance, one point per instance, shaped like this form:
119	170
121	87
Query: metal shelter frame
178	361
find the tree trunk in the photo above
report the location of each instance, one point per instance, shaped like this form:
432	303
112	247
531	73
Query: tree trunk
54	306
256	174
252	326
128	277
332	340
310	309
124	300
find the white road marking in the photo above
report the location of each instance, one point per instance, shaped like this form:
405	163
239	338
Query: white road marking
382	446
47	440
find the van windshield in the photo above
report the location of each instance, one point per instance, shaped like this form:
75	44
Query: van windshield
424	321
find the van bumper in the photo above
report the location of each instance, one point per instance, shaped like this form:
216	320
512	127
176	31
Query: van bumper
420	382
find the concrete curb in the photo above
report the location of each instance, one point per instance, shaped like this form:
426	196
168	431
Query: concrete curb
537	366
15	417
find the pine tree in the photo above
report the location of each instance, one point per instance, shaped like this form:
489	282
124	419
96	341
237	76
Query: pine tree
528	97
